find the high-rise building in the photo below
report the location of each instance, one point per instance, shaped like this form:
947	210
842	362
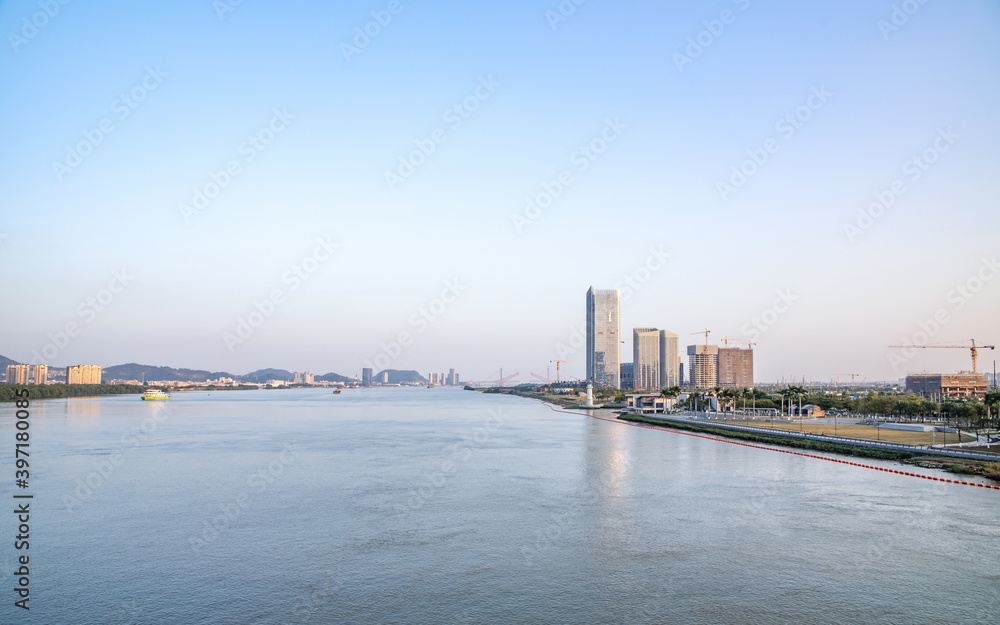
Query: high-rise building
603	337
703	366
384	377
40	374
646	370
17	374
669	360
83	374
452	379
680	373
366	376
735	367
627	377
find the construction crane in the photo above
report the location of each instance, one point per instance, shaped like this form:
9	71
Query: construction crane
559	362
853	375
726	341
974	349
706	333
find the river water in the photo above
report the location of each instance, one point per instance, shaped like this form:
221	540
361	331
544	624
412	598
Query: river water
448	506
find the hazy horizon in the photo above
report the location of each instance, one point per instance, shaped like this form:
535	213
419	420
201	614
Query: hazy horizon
119	119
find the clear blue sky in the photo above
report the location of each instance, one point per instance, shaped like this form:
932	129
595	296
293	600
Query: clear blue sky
553	87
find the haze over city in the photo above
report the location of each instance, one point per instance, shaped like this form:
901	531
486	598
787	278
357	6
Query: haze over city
381	183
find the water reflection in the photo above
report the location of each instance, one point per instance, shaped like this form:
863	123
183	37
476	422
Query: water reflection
83	407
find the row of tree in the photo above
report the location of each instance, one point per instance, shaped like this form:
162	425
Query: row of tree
48	391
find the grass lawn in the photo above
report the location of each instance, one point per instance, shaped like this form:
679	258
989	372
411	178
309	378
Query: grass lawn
863	431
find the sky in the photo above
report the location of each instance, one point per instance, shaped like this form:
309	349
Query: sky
431	185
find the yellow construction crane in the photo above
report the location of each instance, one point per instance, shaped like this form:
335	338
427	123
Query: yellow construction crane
975	350
559	362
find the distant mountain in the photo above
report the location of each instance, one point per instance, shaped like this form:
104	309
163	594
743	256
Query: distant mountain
401	377
263	375
334	377
4	361
134	371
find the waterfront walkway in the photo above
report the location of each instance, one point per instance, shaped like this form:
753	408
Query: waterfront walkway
858	442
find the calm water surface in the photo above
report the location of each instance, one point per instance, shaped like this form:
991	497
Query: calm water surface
447	506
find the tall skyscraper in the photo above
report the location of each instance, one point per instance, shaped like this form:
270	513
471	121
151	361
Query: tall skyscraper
366	376
669	360
703	365
40	373
603	337
646	369
735	367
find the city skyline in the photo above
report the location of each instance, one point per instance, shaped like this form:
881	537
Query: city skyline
804	177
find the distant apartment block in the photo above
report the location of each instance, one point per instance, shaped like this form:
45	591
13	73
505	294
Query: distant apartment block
646	368
670	360
83	374
40	374
627	375
305	377
735	367
452	379
366	376
17	374
948	386
604	337
703	365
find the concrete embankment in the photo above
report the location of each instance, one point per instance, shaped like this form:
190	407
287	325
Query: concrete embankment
823	438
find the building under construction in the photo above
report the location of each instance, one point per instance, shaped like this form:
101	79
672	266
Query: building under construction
940	386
